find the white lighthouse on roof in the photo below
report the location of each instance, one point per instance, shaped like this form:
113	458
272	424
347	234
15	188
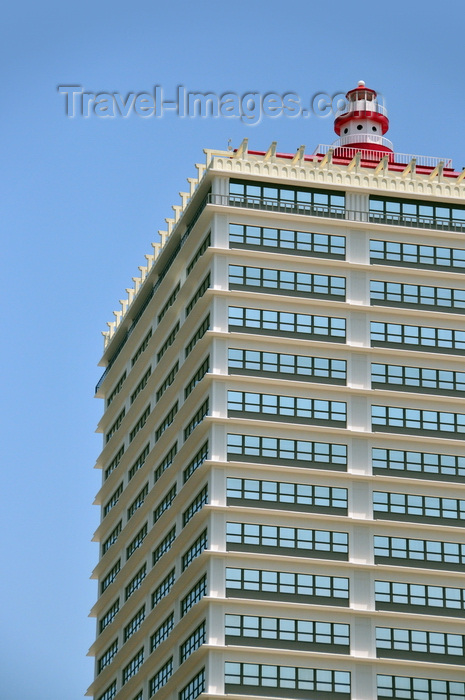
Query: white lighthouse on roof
363	125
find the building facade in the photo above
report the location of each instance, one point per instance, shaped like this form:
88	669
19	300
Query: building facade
282	501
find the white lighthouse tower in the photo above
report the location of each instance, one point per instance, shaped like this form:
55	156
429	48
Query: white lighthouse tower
363	125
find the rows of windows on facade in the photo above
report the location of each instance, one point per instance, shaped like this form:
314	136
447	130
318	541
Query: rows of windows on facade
282	501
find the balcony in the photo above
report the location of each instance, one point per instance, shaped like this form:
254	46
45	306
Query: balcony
333	212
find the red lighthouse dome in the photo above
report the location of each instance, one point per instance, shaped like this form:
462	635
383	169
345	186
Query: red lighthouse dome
363	125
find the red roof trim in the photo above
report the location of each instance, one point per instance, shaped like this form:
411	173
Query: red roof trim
345	160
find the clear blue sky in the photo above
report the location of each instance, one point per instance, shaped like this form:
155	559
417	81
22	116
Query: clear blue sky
83	199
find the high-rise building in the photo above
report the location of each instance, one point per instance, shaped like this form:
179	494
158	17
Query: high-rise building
282	501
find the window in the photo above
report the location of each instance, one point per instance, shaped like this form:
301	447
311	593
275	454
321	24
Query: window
302	542
287	408
284	323
275	585
305	633
431	600
417	421
169	303
142	347
302	367
140	461
166	462
198	254
251	448
419	688
284	241
164	546
139	696
405	643
135	582
138	501
421	379
162	632
161	677
169	379
429	554
419	464
115	426
284	198
194	550
396	294
197	462
286	282
108	656
110	692
140	424
198	418
164	504
112	537
168	342
193	642
410	255
166	422
164	588
198	294
110	577
417	213
427	339
142	384
195	505
198	376
199	333
194	688
117	389
424	507
133	666
195	594
132	626
306	497
114	463
136	542
113	500
109	616
285	678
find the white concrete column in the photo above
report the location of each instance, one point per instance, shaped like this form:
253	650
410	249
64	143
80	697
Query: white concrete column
219	314
358	288
363	682
219	356
216	577
214	669
215	624
220	231
359	371
218	443
358	247
220	271
217	532
358	413
220	185
217	486
357	204
358	329
360	457
361	552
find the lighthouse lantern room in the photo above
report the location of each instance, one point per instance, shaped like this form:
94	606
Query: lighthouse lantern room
363	125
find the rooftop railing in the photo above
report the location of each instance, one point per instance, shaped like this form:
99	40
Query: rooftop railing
401	158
